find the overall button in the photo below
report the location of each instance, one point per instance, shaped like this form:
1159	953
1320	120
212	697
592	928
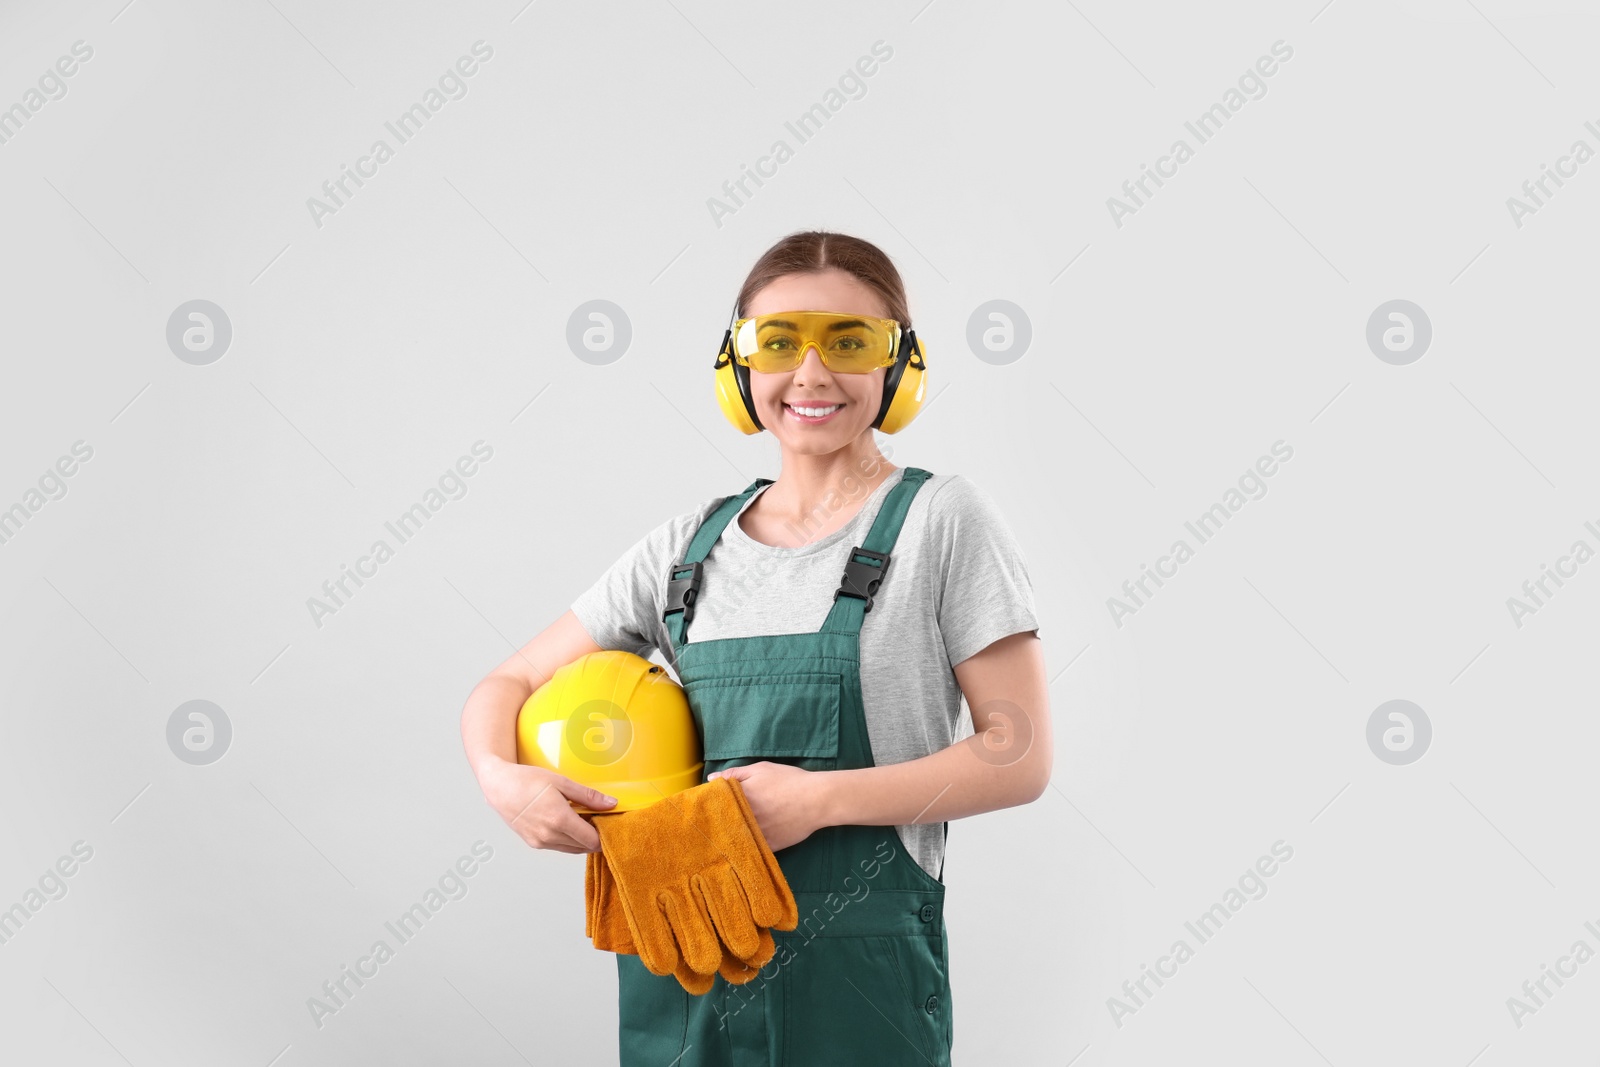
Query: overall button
932	1005
926	914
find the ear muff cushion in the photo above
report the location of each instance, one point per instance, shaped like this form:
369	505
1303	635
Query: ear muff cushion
741	375
733	391
891	386
904	387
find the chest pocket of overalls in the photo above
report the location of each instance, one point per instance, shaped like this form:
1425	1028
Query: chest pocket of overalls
788	718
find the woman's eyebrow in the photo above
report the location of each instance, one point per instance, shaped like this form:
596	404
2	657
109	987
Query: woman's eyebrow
847	324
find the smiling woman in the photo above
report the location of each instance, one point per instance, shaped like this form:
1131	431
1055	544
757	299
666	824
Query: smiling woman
889	600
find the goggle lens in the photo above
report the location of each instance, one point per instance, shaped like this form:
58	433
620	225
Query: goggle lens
848	344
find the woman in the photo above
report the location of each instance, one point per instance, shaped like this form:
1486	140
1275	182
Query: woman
833	702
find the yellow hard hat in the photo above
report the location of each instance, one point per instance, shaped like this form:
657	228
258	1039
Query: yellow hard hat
615	722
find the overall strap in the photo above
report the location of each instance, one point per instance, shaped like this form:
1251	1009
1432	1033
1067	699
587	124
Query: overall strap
867	562
683	581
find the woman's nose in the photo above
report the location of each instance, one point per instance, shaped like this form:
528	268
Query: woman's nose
810	365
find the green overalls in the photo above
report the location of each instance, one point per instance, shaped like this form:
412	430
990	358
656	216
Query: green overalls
864	979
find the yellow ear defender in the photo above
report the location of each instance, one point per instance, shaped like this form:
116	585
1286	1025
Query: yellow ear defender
905	387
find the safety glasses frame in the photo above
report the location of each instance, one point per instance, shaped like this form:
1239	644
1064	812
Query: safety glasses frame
891	328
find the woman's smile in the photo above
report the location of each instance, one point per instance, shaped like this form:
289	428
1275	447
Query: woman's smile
812	414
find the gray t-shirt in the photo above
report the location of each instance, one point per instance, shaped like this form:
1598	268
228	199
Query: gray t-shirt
956	583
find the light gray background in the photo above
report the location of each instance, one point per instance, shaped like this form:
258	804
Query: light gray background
1166	356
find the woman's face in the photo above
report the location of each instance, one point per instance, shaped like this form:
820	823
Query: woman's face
849	402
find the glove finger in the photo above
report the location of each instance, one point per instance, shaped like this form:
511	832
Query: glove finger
777	908
744	848
693	982
648	927
771	904
696	935
725	901
737	971
749	965
652	936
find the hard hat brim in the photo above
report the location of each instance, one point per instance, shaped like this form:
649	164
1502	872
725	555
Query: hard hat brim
631	796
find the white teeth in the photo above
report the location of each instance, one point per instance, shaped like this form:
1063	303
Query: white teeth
814	413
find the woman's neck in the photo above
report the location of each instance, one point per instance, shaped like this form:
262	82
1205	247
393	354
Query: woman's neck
817	494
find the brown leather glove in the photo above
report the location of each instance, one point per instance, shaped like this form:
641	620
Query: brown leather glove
697	884
607	926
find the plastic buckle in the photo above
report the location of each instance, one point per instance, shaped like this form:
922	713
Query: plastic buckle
681	592
861	580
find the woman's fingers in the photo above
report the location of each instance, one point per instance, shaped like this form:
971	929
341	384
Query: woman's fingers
582	794
578	831
552	824
536	806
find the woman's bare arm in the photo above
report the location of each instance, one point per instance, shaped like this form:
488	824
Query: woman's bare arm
533	802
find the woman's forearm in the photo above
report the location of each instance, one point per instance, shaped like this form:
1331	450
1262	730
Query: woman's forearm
534	802
950	784
489	718
489	721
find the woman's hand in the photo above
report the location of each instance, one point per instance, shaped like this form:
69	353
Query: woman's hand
533	802
786	801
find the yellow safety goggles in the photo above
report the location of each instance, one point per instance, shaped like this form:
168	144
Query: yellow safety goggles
847	344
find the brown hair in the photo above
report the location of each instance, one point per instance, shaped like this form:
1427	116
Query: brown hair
810	251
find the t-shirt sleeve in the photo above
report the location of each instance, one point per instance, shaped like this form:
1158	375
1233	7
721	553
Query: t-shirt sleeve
985	591
622	609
